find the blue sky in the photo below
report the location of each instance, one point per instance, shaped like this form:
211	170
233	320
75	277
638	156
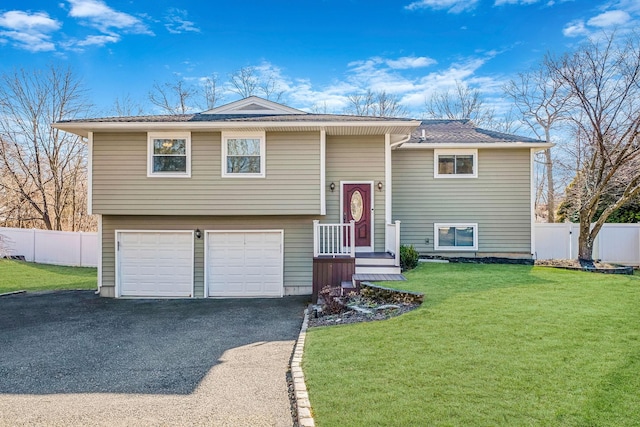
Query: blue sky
319	51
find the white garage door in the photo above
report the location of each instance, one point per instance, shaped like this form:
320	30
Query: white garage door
244	264
155	264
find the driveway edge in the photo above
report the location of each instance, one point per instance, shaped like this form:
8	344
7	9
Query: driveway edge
305	419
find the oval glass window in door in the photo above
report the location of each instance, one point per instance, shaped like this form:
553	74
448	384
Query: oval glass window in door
356	206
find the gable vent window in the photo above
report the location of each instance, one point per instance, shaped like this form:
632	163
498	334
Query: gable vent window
243	155
169	155
455	163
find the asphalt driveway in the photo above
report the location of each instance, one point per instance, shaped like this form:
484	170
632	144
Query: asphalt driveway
74	358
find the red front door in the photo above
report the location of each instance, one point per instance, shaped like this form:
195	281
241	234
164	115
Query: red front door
357	207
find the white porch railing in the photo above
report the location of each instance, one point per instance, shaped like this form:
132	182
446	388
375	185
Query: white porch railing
392	241
334	239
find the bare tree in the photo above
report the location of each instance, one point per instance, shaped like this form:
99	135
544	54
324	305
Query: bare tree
542	104
211	91
271	88
462	103
125	106
602	79
42	170
174	97
245	81
388	105
361	104
378	104
250	81
320	108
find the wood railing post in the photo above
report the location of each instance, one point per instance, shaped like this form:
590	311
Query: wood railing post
352	233
397	249
316	243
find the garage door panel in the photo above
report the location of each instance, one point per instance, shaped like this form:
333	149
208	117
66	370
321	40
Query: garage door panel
245	264
155	264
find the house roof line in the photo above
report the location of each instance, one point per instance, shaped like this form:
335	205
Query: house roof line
539	145
82	128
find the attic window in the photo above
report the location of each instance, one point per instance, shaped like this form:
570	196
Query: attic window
243	155
169	154
455	163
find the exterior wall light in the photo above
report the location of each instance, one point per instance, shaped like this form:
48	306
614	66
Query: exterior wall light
332	186
198	233
379	185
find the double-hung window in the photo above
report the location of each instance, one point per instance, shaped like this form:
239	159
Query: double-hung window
243	154
455	163
456	236
169	154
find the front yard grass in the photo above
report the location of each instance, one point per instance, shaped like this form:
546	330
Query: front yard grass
492	345
28	276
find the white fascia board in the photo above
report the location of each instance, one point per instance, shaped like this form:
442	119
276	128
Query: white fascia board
476	145
83	128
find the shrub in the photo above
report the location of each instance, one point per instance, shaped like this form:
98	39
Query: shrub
408	257
332	302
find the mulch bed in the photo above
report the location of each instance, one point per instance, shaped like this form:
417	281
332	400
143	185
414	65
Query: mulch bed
595	267
372	303
352	316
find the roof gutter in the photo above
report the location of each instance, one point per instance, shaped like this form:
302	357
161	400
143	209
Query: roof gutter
82	128
538	146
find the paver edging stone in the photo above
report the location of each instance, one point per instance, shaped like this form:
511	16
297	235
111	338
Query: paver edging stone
305	419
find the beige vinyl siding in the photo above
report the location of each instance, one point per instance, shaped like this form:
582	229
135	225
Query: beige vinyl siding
357	159
499	201
291	185
298	244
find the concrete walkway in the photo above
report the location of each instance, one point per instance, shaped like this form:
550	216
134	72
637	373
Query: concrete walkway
71	358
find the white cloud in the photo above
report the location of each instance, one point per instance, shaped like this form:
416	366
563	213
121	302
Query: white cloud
452	6
98	15
29	31
621	15
611	18
412	85
98	40
575	29
407	62
177	22
525	2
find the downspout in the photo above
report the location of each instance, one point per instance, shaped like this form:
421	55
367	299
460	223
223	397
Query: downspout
402	141
388	214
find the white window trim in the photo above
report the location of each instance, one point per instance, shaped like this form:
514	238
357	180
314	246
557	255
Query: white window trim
263	154
168	135
461	152
436	236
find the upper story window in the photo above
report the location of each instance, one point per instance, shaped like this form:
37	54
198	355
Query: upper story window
456	163
460	237
243	154
169	154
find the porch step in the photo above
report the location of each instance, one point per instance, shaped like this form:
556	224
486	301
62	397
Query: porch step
357	278
377	269
374	258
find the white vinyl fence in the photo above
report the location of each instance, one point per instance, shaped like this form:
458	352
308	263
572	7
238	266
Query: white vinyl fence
52	247
618	243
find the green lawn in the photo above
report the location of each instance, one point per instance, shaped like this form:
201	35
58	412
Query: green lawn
492	345
28	276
